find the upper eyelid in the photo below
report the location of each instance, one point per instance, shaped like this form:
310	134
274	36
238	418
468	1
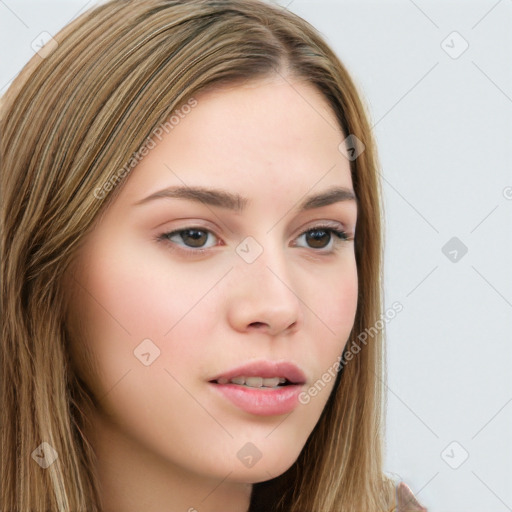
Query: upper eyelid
331	224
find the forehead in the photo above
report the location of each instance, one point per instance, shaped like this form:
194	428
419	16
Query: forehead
263	136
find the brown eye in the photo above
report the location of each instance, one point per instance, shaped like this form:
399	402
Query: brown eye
194	238
321	238
318	238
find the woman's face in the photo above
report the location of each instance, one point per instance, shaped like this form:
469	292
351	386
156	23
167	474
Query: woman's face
178	290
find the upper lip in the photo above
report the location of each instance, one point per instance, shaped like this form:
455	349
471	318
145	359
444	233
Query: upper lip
266	369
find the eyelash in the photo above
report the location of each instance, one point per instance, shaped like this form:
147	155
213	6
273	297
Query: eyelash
342	237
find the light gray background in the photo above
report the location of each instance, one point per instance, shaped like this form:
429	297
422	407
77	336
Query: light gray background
444	131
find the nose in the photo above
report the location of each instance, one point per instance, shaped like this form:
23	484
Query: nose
263	298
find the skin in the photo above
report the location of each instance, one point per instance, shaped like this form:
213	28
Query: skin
164	440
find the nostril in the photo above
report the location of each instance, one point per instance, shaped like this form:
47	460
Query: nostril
257	324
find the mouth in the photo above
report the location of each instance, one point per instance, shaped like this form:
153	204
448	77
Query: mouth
255	382
263	374
263	388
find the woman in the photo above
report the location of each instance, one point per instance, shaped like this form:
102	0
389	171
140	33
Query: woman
143	366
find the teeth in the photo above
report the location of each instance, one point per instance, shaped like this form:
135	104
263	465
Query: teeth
254	382
271	382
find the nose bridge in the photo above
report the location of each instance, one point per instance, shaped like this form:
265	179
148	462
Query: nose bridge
264	260
264	289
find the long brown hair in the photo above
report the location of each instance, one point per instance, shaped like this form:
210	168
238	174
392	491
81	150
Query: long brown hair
73	118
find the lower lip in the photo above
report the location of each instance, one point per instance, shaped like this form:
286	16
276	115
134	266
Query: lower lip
262	402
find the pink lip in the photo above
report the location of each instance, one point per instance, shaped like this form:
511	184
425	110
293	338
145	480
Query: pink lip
263	402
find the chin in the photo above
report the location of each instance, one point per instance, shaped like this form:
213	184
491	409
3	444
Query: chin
262	471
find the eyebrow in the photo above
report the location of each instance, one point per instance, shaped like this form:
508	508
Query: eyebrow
230	201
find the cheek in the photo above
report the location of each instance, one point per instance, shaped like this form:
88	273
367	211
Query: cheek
132	310
332	315
136	292
132	303
332	301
